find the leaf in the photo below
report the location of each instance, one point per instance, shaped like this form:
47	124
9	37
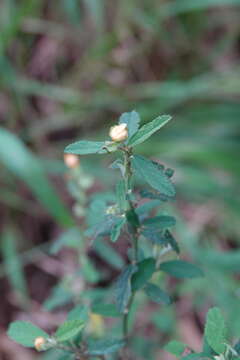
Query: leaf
13	265
181	269
88	269
156	237
148	171
146	207
175	347
26	166
159	222
123	287
215	330
59	296
85	147
133	220
70	238
108	310
68	330
105	346
121	195
25	333
156	294
144	272
132	120
153	195
116	229
79	312
171	241
110	255
147	130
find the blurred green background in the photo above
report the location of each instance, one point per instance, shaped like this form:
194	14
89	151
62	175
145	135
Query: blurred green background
68	69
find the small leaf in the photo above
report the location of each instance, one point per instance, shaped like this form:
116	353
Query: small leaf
145	270
108	253
86	147
156	294
148	171
18	159
181	269
215	330
70	238
108	310
68	330
105	346
116	229
147	130
123	287
25	333
159	222
132	120
153	195
175	347
121	195
171	241
79	312
132	219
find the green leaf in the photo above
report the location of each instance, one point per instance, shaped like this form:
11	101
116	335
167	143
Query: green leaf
68	330
171	241
215	330
70	238
13	265
155	177
116	229
85	147
110	255
147	130
181	269
26	166
108	310
79	312
159	222
124	288
145	270
88	269
121	195
132	219
175	347
25	333
105	346
156	294
132	120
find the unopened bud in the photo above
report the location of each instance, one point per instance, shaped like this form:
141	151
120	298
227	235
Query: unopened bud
39	343
71	160
119	132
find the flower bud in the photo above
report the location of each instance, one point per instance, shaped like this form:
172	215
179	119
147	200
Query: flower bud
119	132
39	343
71	160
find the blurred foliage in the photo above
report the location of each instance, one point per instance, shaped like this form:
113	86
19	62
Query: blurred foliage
71	69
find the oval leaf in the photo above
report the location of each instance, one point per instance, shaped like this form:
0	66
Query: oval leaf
85	147
147	130
215	330
68	330
145	270
153	175
156	294
25	333
181	269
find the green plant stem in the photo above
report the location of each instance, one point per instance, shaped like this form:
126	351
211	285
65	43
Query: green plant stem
127	178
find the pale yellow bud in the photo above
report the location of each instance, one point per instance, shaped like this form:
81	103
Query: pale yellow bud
119	132
71	160
39	342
